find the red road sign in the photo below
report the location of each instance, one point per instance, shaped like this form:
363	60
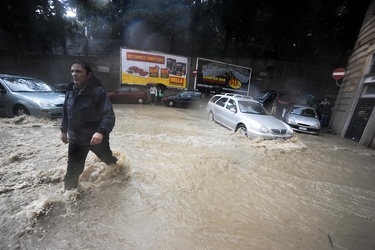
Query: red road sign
195	72
338	73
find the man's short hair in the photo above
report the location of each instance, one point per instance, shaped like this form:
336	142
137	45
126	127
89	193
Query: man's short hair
84	64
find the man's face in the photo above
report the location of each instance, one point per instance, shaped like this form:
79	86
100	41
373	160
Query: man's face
79	74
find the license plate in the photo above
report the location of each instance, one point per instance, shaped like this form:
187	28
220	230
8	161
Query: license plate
302	128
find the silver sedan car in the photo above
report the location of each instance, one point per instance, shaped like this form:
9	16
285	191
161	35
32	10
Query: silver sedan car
242	113
21	95
303	119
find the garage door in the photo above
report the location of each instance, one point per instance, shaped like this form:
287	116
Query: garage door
362	113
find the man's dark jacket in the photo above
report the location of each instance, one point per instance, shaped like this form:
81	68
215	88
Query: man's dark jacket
87	111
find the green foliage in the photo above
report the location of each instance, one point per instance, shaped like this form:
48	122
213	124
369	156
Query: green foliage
299	29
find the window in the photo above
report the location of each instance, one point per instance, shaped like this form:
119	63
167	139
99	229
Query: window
368	91
296	110
26	85
221	102
134	90
309	113
251	108
197	94
231	104
187	94
215	98
123	90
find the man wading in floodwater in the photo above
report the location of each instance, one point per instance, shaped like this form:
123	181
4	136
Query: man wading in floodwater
87	120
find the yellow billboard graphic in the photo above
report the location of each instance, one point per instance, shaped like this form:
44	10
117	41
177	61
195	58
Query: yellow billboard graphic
142	67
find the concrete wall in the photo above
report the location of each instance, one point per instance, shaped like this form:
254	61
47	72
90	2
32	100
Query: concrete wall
267	74
271	74
56	69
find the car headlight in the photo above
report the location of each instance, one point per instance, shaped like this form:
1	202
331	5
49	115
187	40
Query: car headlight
44	104
291	120
289	129
264	129
316	125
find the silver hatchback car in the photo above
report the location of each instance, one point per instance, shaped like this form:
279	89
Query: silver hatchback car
242	113
21	95
303	119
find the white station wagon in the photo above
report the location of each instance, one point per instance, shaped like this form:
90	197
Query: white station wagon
242	113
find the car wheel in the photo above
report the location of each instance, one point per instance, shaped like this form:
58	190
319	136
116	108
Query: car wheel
241	129
20	110
211	116
140	101
170	103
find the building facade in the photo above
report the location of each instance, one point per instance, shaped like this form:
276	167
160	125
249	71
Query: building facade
354	114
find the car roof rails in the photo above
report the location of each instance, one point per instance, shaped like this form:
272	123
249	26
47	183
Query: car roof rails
238	96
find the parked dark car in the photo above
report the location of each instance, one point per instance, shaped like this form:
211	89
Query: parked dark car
266	98
128	94
188	98
22	95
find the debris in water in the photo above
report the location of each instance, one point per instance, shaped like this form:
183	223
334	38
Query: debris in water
330	240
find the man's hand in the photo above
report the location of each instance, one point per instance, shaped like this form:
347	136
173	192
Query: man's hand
96	139
64	138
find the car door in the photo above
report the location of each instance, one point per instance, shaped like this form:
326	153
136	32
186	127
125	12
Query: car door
121	95
138	94
185	97
219	110
229	114
197	97
132	95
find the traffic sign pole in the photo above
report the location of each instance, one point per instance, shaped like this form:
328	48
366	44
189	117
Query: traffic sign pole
337	74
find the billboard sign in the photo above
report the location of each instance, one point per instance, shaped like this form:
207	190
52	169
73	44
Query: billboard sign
142	67
222	77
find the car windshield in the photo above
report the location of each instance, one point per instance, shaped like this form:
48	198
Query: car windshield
303	111
252	108
26	85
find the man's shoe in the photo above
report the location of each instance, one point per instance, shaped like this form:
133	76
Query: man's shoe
113	160
71	182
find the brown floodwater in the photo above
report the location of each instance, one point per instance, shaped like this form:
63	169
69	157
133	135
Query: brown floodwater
183	182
